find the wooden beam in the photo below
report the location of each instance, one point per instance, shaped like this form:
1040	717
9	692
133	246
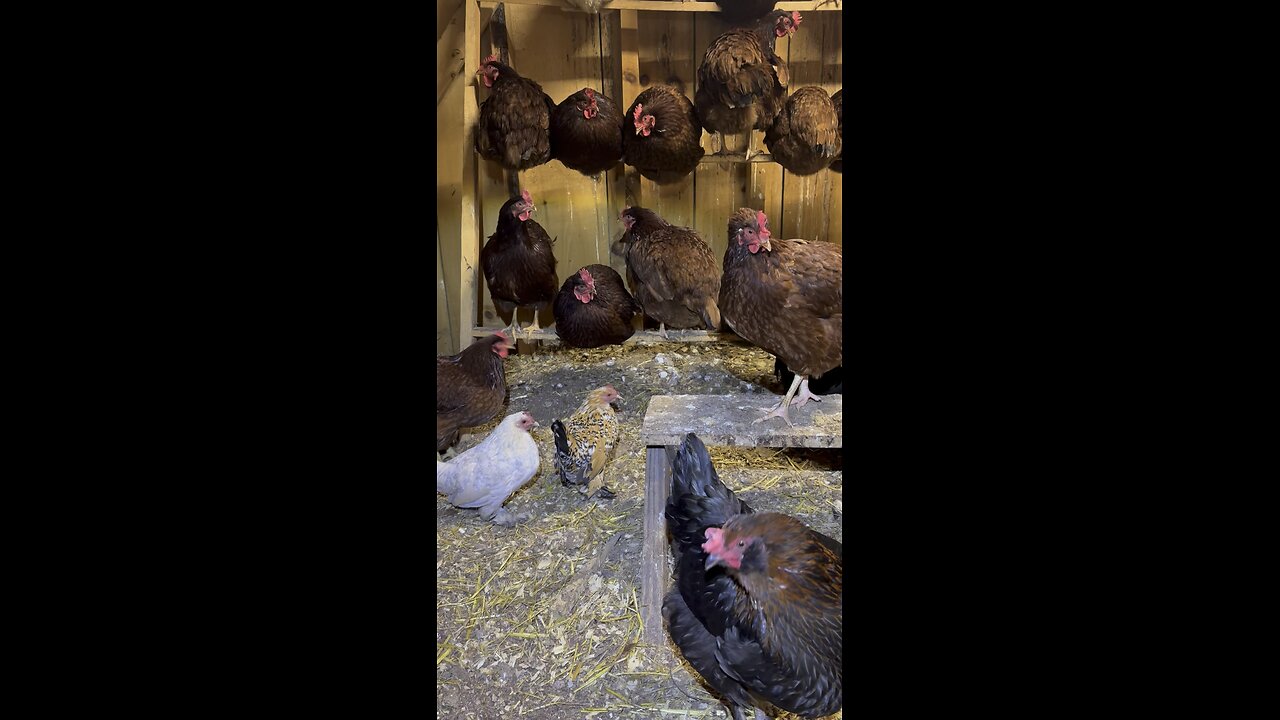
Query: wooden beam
630	45
735	158
654	573
470	255
549	334
668	6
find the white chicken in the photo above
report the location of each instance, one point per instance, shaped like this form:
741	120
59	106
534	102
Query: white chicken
485	476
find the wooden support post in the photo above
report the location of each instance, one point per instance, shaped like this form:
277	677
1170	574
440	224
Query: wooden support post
654	575
630	45
470	255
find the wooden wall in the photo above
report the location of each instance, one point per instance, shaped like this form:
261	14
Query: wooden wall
566	51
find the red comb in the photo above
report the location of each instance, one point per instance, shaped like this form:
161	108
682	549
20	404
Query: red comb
636	114
524	195
761	220
586	276
795	17
591	94
491	58
503	336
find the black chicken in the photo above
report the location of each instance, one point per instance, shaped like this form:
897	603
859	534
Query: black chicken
594	308
757	605
518	262
586	132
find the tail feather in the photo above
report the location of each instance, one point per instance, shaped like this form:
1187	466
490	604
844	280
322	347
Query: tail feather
564	455
698	499
710	314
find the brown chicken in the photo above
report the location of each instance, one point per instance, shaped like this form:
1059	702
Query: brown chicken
838	100
586	132
805	137
742	83
470	388
661	135
515	121
594	308
744	12
519	264
756	609
671	270
786	297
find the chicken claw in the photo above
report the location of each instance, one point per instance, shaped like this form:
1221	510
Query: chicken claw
779	412
804	395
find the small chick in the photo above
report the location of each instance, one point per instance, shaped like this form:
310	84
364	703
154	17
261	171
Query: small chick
584	442
486	475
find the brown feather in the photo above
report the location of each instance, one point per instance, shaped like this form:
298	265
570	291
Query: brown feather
588	145
514	124
788	300
805	137
471	388
671	270
673	147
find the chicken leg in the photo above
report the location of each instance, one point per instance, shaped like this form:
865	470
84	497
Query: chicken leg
781	410
804	395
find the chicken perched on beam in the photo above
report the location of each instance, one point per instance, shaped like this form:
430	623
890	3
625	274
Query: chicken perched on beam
519	262
585	442
787	298
756	609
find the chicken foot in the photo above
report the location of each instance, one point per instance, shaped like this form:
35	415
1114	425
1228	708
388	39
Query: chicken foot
781	410
804	395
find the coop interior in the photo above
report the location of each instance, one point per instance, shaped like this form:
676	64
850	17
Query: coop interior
547	619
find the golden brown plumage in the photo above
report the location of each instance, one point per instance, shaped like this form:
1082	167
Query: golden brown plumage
672	271
661	135
742	83
470	387
786	297
586	132
515	121
805	137
585	442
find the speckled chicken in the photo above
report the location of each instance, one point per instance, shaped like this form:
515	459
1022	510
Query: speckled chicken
661	135
594	308
671	270
586	132
470	387
756	608
519	263
585	442
514	128
837	165
484	476
742	82
785	297
805	137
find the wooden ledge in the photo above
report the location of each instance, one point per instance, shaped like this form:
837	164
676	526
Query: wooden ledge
727	420
668	6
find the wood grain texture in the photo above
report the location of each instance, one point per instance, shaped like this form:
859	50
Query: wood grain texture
655	574
813	59
667	57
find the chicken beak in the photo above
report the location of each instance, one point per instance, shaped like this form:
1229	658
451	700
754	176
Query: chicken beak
712	561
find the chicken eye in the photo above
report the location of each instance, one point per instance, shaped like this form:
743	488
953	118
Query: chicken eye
742	543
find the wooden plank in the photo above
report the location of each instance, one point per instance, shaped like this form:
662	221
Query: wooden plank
469	256
733	158
721	182
446	335
654	572
548	334
629	33
617	52
727	420
673	6
807	200
833	80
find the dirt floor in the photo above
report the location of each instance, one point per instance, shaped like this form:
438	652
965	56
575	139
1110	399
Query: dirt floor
542	620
